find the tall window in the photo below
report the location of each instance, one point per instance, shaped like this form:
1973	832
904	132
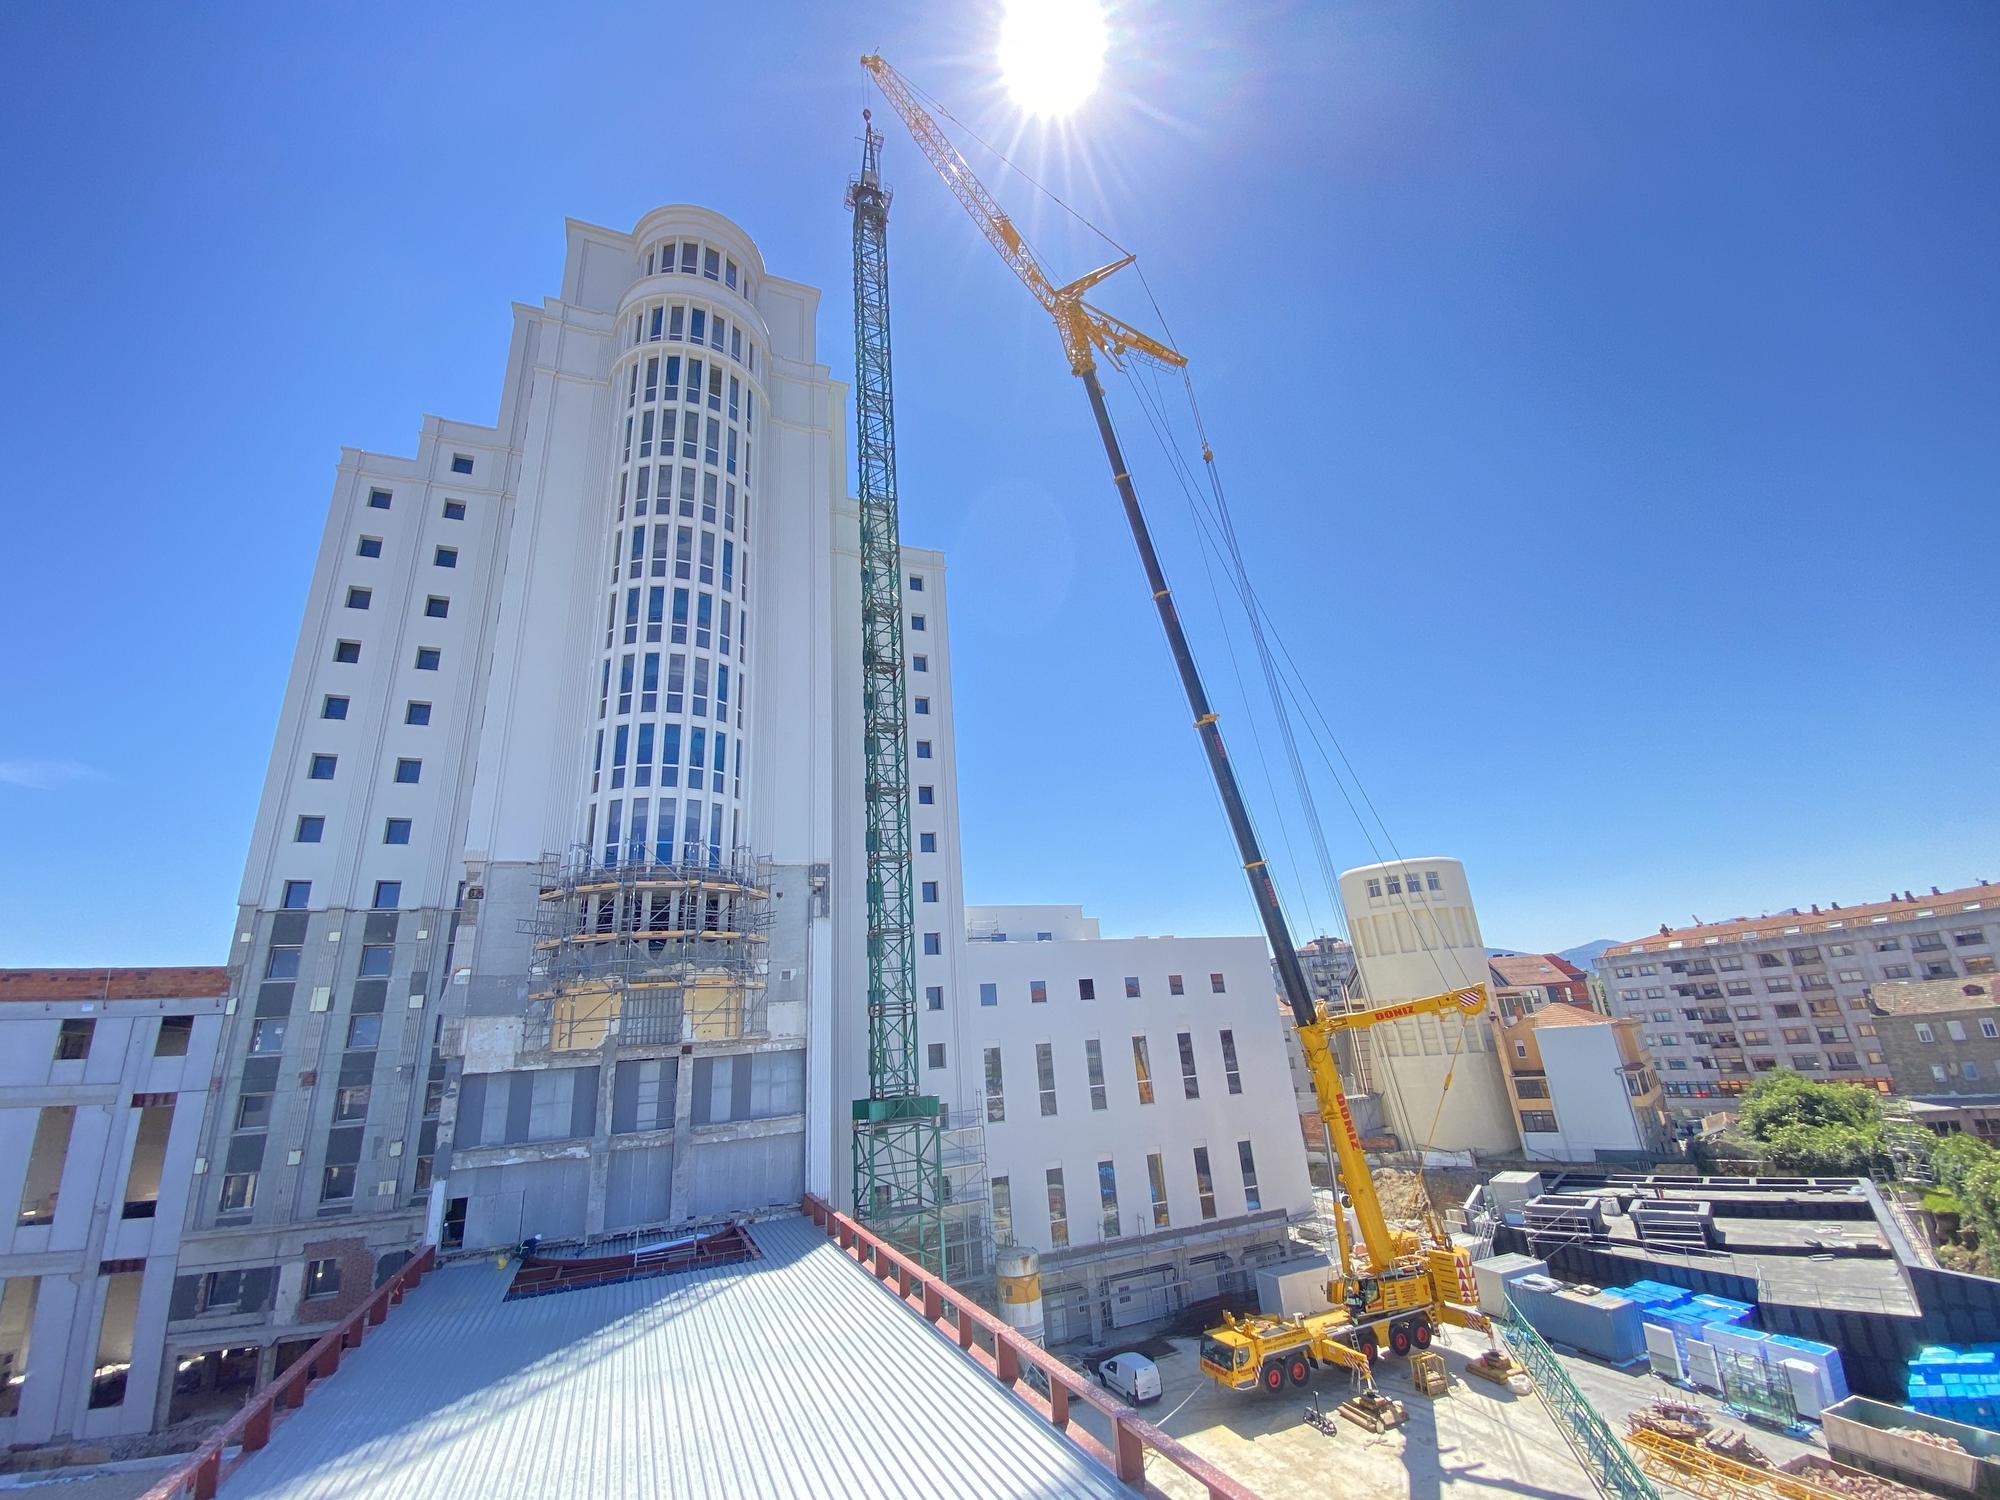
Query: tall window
1131	987
1215	985
1107	1198
1252	1201
1002	1192
1176	985
1045	1075
996	1097
1231	1074
1204	1182
1093	1062
1142	1069
1058	1210
1156	1182
1189	1082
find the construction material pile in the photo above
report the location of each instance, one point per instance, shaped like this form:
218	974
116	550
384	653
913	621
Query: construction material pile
1935	1439
1737	1448
1680	1420
1837	1479
1959	1383
1402	1195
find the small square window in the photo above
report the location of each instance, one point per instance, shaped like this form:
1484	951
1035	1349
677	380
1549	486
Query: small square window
454	510
926	843
461	463
934	997
922	705
73	1040
409	772
396	831
282	962
364	1032
377	959
436	607
428	658
333	706
253	1112
989	994
309	829
369	546
267	1037
926	796
239	1191
350	1104
378	499
935	1054
1086	989
916	622
920	664
445	557
358	597
933	944
174	1035
916	583
320	767
416	713
347	651
923	749
388	893
930	890
298	895
336	1185
1038	991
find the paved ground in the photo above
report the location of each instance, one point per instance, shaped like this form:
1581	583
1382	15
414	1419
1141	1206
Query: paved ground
1615	1393
1475	1441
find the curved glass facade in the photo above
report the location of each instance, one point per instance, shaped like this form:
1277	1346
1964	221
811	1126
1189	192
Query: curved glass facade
674	685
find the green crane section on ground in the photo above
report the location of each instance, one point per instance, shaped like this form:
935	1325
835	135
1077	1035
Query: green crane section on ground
898	1130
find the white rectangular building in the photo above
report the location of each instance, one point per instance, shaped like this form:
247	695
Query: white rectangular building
103	1083
1137	1104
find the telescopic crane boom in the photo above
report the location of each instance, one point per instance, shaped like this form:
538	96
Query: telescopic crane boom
1399	1287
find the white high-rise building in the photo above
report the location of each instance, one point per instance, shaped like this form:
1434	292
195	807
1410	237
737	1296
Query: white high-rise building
553	921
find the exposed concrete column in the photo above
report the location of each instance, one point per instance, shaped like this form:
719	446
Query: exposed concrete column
681	1204
600	1140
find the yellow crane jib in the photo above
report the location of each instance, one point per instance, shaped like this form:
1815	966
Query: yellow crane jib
1082	328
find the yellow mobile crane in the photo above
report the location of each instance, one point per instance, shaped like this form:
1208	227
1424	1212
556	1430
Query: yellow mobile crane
1400	1285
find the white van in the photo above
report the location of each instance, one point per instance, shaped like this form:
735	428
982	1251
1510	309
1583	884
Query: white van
1132	1376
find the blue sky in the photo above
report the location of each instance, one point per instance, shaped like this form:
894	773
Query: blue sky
1607	397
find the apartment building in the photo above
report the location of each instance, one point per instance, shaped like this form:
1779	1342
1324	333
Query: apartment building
1139	1126
1721	1002
1941	1041
1525	982
1582	1086
104	1079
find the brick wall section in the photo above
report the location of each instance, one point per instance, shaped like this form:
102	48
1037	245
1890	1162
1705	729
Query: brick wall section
357	1280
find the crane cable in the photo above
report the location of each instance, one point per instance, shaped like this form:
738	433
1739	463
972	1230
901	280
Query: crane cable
1260	620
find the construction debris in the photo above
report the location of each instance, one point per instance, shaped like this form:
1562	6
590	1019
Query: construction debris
1736	1447
1675	1419
1838	1479
1935	1439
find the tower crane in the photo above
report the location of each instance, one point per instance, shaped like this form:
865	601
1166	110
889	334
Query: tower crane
1395	1286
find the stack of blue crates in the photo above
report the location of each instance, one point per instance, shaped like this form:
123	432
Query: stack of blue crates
1960	1383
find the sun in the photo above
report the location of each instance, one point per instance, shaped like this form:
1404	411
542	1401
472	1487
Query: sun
1051	53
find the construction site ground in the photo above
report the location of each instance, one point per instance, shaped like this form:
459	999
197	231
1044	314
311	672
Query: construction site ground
1477	1439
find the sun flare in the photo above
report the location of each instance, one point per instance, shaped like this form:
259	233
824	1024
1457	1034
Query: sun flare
1051	53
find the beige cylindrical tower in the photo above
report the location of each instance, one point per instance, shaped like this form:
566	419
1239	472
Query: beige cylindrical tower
1018	1271
1415	933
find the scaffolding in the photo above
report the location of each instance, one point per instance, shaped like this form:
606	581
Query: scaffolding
653	950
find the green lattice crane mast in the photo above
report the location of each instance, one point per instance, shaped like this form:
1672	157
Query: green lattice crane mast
898	1129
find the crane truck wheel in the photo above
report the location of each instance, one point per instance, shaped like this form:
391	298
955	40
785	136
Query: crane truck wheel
1298	1369
1365	1342
1420	1335
1273	1377
1399	1339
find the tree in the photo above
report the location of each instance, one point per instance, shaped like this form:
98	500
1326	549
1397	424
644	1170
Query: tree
1832	1150
1969	1170
1782	1099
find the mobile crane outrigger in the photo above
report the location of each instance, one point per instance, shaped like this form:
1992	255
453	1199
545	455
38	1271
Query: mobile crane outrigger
1397	1286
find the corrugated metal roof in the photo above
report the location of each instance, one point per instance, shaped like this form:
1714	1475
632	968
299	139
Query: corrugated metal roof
795	1376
